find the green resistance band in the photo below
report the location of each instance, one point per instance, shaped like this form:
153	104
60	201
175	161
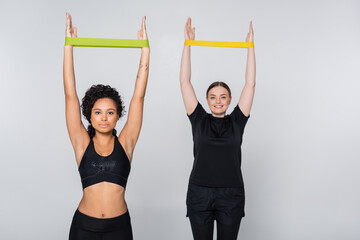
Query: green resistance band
106	42
219	44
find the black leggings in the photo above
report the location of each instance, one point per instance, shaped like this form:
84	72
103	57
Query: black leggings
206	231
84	227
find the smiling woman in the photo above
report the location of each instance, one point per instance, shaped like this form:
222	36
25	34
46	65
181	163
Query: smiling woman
216	188
103	157
218	97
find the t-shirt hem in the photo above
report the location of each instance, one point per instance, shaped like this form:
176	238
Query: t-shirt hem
217	185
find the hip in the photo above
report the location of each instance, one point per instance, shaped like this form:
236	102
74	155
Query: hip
202	198
87	227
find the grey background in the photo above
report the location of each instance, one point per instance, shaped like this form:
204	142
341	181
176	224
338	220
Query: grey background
301	145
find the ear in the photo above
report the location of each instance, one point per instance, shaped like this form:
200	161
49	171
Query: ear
207	100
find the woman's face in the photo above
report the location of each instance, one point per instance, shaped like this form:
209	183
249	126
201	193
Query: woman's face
218	100
104	115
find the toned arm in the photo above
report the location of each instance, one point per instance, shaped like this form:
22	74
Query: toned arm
130	133
187	90
77	132
247	94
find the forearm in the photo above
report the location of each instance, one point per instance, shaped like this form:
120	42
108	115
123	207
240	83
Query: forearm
143	73
250	74
185	70
68	72
72	104
135	115
247	94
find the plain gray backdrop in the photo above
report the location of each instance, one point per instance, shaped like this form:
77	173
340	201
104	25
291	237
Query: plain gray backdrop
301	144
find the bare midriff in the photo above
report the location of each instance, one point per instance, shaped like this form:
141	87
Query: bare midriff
103	200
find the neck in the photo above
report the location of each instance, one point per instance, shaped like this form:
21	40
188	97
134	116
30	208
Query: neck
218	115
103	138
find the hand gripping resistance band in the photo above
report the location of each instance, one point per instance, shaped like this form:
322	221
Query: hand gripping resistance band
219	44
106	42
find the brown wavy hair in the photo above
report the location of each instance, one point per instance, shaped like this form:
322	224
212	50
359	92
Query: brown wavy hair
218	84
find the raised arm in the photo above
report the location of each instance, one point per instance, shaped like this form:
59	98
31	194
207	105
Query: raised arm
187	90
130	133
77	132
247	94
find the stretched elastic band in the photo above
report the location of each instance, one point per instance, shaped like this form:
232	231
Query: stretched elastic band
219	44
106	42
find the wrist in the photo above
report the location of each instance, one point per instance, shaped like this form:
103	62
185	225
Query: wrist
68	47
145	49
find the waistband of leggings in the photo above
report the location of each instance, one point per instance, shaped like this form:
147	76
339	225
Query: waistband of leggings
100	224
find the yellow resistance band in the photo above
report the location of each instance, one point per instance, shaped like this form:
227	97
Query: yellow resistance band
106	42
219	44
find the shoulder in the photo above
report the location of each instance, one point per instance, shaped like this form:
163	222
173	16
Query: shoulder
199	110
238	115
198	113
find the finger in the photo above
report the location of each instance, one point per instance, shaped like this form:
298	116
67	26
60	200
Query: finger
144	34
70	21
75	32
142	23
144	29
67	22
251	27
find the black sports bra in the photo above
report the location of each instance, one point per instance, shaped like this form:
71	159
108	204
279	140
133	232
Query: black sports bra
95	168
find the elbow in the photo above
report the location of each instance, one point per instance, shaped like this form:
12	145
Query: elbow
138	97
184	81
250	84
70	96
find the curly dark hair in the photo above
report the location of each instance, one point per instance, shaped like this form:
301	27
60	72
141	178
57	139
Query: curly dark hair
92	95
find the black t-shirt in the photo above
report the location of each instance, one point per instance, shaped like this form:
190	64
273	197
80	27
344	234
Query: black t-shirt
217	148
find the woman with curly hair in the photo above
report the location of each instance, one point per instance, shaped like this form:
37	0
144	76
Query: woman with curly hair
216	188
103	158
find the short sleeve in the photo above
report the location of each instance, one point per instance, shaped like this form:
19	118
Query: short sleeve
197	114
238	116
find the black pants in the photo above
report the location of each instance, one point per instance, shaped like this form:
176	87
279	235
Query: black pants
84	227
207	204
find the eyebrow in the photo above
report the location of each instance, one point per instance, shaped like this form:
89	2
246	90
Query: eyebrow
106	110
220	95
